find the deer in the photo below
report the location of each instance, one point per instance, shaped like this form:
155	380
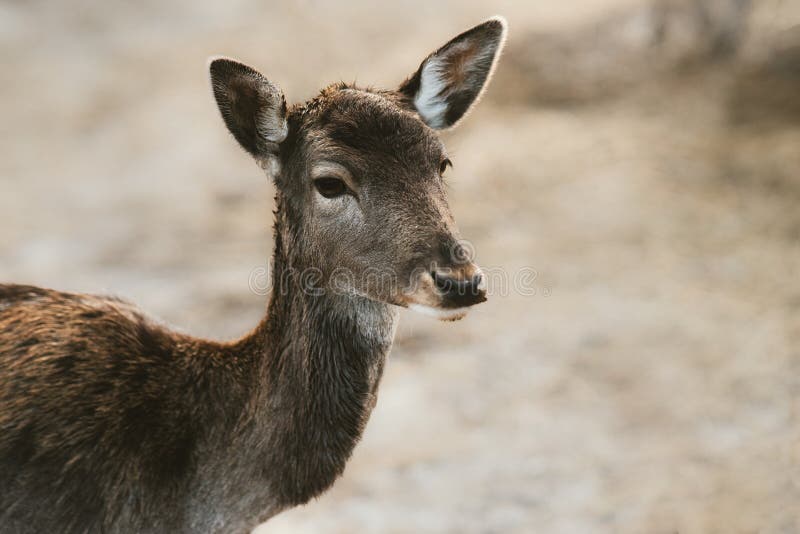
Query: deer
111	421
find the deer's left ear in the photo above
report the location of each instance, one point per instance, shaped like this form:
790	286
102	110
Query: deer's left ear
451	79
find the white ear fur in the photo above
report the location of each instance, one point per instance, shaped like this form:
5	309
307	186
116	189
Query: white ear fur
453	78
429	100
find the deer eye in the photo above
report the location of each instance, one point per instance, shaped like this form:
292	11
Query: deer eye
444	164
330	187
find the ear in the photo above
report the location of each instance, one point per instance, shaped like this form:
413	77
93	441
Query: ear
253	108
452	79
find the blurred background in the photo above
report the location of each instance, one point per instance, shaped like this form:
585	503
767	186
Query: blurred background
641	158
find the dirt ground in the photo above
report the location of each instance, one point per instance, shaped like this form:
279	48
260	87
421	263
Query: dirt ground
649	384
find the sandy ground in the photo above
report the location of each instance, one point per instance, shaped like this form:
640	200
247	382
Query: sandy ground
651	382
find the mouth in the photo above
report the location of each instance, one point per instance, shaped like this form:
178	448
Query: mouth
446	294
443	314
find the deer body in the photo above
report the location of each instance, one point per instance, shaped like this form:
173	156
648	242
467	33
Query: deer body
277	412
111	422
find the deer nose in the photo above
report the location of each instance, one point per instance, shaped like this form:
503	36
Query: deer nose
460	290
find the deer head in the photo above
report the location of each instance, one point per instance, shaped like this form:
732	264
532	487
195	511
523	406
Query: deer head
358	174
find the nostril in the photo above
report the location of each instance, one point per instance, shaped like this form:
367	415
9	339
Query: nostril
456	291
451	285
444	283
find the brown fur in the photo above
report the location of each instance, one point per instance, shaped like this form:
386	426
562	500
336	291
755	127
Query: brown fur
110	422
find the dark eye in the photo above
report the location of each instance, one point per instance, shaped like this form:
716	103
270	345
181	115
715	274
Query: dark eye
330	187
444	164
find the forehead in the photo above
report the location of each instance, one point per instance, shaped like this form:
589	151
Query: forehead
368	127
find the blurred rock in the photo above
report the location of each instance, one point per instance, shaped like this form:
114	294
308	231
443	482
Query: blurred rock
626	48
768	91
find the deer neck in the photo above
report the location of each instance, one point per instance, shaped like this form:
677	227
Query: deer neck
324	354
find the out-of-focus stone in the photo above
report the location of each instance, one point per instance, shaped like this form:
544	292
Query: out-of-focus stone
628	47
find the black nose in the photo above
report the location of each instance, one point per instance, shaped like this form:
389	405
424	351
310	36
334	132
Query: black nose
459	291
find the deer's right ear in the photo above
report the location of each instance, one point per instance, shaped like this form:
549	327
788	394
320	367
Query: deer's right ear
253	108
